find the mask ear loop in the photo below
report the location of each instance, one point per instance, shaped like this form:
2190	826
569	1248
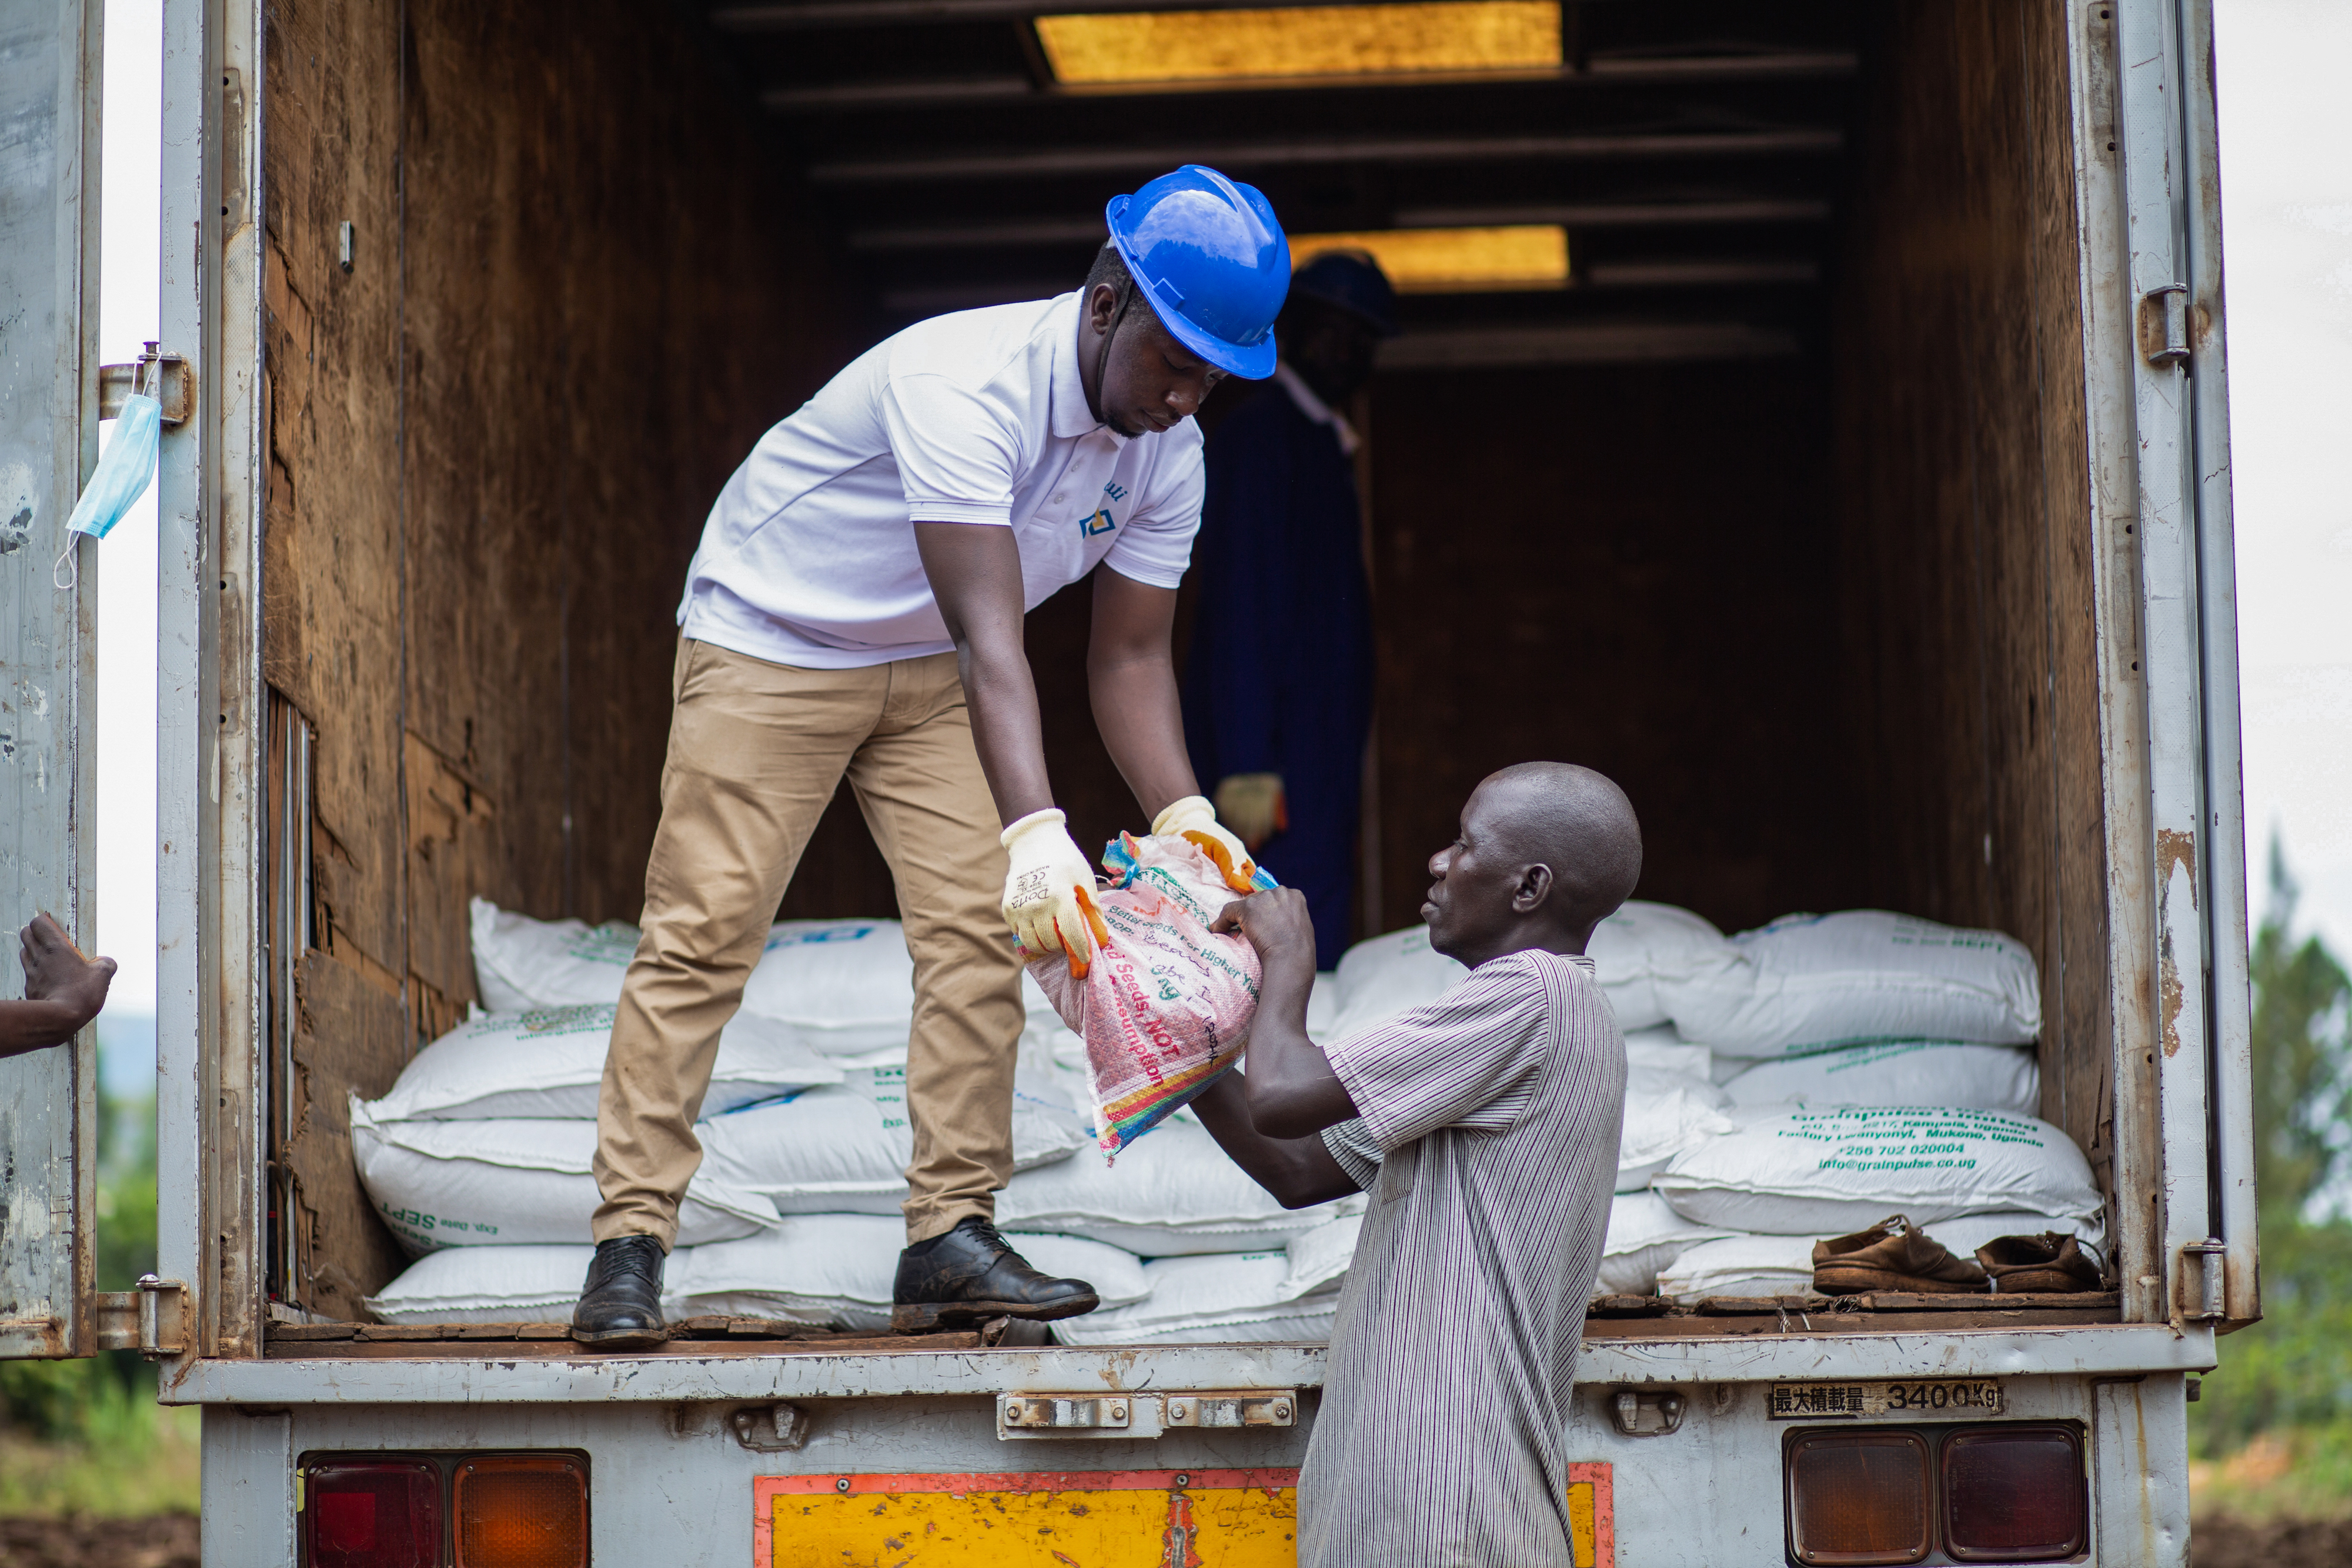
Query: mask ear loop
65	572
1102	359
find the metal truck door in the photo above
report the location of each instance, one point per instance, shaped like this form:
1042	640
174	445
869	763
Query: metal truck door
2155	345
50	58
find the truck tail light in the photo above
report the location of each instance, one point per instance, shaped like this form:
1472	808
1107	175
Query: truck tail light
380	1513
521	1512
1858	1498
2014	1494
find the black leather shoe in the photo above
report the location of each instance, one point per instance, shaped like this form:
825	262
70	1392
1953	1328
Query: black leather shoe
620	1306
969	1275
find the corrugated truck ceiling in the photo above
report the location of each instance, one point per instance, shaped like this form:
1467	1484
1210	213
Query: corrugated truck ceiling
1692	153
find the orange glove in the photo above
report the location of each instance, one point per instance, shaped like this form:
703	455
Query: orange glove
1196	819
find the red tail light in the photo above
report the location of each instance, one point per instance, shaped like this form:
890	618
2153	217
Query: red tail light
2014	1494
1858	1498
522	1512
383	1513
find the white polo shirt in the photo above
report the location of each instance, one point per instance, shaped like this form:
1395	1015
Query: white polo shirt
809	557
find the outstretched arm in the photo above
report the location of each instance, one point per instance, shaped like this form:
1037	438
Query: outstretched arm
1292	1092
976	574
1297	1171
1131	680
63	990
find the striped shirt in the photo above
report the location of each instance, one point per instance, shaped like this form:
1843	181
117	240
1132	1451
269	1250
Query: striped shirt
1489	1141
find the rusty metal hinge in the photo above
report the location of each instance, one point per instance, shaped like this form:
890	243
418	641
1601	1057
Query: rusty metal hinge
151	1320
2164	325
2204	1280
167	378
1025	1415
1019	1412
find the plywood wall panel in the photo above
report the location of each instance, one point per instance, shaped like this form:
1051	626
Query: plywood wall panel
1965	510
1629	567
577	297
604	310
332	635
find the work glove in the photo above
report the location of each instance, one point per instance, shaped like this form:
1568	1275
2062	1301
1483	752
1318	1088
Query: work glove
1196	819
1048	891
1253	806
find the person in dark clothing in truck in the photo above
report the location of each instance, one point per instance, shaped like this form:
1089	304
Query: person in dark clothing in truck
1485	1125
1278	683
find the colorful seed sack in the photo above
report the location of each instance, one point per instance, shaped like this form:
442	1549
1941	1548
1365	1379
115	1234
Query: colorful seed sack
1165	1005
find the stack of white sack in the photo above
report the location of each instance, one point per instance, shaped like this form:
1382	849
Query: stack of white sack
1791	1176
819	1270
2003	1078
485	1146
1830	1172
1645	1238
844	988
838	1148
835	1272
1807	983
1783	1265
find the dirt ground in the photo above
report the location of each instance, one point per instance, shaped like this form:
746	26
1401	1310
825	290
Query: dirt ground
167	1540
2220	1542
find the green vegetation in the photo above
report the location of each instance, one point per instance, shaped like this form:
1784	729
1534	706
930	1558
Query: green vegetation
87	1436
2273	1431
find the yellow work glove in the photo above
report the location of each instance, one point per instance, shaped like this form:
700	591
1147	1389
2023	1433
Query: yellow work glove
1196	819
1048	891
1253	806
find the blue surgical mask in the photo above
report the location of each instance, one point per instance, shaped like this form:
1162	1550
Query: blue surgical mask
124	471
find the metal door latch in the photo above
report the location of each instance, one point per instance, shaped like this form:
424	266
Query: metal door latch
1641	1414
166	378
151	1320
2164	325
778	1428
1230	1410
2204	1280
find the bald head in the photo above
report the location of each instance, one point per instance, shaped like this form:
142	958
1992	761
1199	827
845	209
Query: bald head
1547	851
1580	824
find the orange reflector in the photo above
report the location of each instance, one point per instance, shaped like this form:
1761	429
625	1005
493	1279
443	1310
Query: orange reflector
2014	1494
1857	1498
522	1513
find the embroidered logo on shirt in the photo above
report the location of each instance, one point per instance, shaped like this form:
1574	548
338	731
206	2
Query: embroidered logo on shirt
1102	522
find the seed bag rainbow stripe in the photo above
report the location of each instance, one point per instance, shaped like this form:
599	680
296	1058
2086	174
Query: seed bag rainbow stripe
1165	1005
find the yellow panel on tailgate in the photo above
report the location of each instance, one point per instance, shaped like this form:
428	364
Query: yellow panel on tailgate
1085	1519
1076	1519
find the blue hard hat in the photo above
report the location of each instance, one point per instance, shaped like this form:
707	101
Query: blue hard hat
1210	256
1352	282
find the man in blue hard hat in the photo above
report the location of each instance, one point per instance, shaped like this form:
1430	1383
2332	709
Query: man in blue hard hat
1278	683
855	610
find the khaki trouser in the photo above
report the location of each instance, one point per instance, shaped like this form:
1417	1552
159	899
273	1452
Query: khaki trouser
756	750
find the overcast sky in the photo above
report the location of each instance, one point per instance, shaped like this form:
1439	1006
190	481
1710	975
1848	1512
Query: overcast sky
2286	154
2287	208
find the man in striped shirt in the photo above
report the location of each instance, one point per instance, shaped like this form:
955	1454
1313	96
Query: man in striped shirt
1484	1126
